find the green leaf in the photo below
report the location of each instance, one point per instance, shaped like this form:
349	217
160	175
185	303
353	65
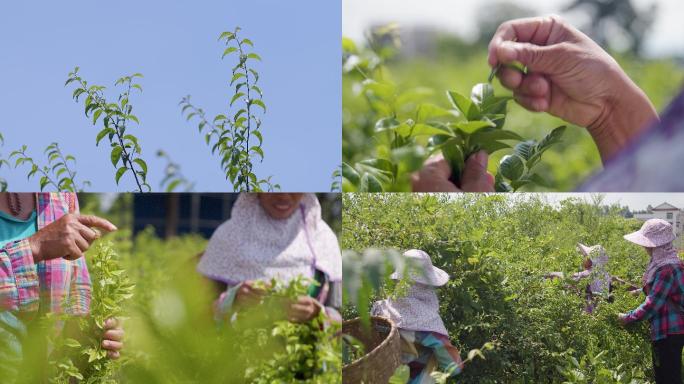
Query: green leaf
525	149
236	77
423	130
512	167
369	183
119	173
466	106
453	154
472	126
96	115
385	124
254	56
142	164
248	42
349	173
481	93
116	155
259	103
236	97
228	51
133	118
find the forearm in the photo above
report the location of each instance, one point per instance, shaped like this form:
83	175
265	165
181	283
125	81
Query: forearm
623	119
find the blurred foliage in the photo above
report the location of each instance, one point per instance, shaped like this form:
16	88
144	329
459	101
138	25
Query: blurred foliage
497	249
565	167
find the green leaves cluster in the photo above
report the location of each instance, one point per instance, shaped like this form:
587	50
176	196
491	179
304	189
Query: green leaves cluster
57	174
302	352
173	177
408	129
85	359
236	134
116	118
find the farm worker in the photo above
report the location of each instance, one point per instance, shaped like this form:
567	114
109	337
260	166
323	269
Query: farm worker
42	269
425	339
595	269
275	235
663	284
571	77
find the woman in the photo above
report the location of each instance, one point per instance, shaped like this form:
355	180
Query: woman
426	345
595	269
281	236
42	241
663	284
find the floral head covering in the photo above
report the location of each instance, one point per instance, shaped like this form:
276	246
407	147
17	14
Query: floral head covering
600	278
660	256
254	246
421	270
417	311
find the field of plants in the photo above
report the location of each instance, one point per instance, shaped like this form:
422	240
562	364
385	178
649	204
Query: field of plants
396	104
517	326
171	335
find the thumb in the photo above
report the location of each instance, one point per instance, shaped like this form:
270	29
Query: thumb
475	177
537	58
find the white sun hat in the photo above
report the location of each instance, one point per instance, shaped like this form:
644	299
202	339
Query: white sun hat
420	269
654	233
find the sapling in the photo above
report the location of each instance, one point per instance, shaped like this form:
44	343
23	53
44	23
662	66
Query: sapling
236	135
173	177
58	173
3	182
117	116
85	359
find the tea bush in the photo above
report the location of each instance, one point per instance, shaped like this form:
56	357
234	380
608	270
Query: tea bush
497	250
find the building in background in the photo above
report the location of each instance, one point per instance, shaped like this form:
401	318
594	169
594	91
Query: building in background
668	212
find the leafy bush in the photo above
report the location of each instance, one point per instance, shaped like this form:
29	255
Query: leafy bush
497	250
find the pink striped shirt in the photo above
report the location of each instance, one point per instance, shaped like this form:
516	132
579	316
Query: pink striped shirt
56	285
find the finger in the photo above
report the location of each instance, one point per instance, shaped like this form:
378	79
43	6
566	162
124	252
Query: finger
544	59
73	252
114	334
532	103
111	345
434	177
534	30
510	78
534	85
112	323
89	234
81	243
98	222
114	355
475	177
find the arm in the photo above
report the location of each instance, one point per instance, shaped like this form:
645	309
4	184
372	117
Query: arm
18	277
333	302
657	297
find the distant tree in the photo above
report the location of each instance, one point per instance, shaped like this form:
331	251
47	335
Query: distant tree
609	15
490	16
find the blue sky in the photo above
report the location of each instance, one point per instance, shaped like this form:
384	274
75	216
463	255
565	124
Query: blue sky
174	45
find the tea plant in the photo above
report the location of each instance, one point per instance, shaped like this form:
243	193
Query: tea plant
236	135
58	173
336	185
173	177
86	360
407	129
497	250
117	117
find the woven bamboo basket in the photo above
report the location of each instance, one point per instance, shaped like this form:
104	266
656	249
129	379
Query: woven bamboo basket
383	347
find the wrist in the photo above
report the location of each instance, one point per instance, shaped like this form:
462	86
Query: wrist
626	115
35	249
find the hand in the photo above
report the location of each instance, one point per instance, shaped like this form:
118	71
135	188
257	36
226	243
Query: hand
303	310
434	177
572	77
112	340
248	294
69	237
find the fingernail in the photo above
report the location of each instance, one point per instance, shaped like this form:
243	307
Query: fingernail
481	158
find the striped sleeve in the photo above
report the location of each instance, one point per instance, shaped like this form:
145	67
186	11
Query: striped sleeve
657	297
19	287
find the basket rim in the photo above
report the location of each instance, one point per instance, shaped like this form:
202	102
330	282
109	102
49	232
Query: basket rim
393	331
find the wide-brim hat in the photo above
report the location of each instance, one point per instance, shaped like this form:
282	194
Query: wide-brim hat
584	249
420	269
654	233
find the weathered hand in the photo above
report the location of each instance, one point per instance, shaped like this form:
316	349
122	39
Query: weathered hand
303	310
68	237
572	77
248	294
112	340
435	174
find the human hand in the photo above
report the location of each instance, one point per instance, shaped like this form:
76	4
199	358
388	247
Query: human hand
249	294
435	176
69	237
112	339
571	77
303	310
622	318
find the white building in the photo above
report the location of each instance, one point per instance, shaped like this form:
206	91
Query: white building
667	212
